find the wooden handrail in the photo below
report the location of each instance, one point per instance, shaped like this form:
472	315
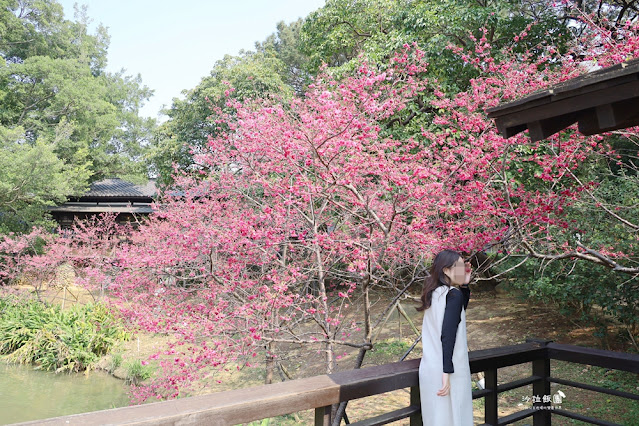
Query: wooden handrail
601	358
245	405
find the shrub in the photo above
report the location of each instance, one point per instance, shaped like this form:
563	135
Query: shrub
137	372
53	339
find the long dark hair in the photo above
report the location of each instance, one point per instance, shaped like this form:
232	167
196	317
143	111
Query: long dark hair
444	259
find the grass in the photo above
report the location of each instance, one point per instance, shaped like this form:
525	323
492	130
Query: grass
387	351
137	372
115	361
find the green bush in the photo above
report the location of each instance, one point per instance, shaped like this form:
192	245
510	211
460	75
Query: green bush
583	291
53	339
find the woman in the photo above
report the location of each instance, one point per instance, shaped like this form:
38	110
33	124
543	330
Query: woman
444	372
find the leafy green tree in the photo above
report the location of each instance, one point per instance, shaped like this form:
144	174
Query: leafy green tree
344	29
248	75
32	177
286	43
56	96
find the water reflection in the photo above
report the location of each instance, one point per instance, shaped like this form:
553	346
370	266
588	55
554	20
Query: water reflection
27	394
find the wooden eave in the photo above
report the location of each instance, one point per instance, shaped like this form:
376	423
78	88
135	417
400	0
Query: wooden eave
96	208
600	101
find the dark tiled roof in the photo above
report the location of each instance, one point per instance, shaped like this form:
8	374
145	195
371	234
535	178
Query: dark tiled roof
116	187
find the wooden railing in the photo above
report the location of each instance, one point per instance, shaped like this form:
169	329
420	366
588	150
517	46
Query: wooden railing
322	392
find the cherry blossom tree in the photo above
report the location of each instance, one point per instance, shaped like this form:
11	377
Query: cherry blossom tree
299	211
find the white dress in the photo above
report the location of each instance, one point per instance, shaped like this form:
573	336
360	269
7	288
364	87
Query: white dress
456	408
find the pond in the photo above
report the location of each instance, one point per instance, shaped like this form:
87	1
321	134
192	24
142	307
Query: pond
28	394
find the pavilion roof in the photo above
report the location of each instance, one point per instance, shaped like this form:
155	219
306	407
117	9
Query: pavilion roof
600	101
119	188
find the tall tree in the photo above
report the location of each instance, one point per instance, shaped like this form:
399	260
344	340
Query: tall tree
56	93
248	75
286	43
338	33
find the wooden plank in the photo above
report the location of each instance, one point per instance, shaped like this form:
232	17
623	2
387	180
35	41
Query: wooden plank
364	382
584	84
583	418
415	401
505	356
610	117
592	83
595	388
224	408
245	405
514	417
386	418
591	356
622	125
480	393
540	130
541	388
574	104
558	92
323	416
541	97
518	383
491	414
510	131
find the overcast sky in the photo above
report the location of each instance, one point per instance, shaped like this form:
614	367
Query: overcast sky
174	44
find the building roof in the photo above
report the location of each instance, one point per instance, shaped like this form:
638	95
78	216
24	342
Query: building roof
601	101
79	207
118	188
112	195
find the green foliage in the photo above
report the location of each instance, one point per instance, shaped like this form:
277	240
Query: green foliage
285	44
136	372
56	339
246	76
32	177
582	291
343	29
56	97
389	350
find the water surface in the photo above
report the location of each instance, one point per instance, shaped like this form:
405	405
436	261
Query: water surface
28	394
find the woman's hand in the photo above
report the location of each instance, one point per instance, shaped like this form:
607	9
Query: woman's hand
468	272
445	385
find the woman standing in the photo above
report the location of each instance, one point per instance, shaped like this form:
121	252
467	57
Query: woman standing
444	371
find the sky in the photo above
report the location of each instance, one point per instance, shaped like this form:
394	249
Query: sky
173	45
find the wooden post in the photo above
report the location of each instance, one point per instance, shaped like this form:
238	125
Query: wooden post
490	401
415	419
541	388
323	416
